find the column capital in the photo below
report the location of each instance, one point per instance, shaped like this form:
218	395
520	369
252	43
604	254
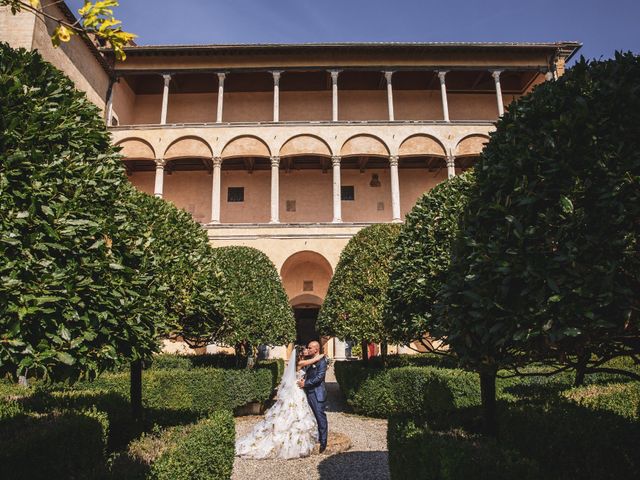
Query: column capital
394	160
217	161
167	78
276	76
160	162
275	161
334	75
221	76
442	74
388	75
451	161
335	160
496	74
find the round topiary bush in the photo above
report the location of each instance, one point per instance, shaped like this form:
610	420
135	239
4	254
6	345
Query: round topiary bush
549	260
261	311
72	300
421	259
354	305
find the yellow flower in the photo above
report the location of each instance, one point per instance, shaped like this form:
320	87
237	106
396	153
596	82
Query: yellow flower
62	33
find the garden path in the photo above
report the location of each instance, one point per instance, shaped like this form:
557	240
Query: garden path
367	458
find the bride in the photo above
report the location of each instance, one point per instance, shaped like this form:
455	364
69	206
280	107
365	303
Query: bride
289	428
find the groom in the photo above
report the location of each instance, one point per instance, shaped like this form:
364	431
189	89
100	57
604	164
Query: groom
313	384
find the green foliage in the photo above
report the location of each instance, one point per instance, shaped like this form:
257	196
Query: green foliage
73	298
191	392
548	262
355	301
207	452
262	314
620	398
53	445
428	392
572	442
416	451
422	256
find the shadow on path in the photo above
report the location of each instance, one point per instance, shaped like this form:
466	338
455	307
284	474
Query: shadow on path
355	466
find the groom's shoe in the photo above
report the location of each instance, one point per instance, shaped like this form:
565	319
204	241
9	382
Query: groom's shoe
322	448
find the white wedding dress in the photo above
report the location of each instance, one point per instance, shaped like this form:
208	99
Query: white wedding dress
289	429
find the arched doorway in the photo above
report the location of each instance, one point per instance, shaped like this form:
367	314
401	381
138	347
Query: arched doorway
306	276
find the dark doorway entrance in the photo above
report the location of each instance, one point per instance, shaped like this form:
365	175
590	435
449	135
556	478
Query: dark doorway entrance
306	319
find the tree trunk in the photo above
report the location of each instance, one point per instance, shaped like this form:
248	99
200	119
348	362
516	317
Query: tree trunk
581	368
488	396
136	390
365	351
384	347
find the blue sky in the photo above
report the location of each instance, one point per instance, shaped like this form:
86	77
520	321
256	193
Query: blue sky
601	25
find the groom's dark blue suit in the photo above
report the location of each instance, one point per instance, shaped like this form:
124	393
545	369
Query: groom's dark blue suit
317	396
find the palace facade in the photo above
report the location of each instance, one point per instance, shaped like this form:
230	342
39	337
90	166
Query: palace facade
292	149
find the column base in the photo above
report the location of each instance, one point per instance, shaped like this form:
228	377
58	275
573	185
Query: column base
396	220
336	220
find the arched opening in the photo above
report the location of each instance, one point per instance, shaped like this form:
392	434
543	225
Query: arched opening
245	181
306	276
139	162
365	170
422	167
468	151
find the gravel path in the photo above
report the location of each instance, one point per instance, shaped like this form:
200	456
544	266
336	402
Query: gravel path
367	458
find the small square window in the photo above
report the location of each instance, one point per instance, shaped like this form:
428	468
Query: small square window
380	206
307	286
235	194
291	205
348	193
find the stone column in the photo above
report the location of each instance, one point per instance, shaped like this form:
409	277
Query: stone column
388	76
165	99
276	96
275	190
451	166
496	79
395	189
334	94
337	196
215	190
108	110
159	183
443	93
339	348
221	77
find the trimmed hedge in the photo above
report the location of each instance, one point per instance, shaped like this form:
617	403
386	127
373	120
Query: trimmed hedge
197	391
55	445
426	391
417	452
206	453
620	398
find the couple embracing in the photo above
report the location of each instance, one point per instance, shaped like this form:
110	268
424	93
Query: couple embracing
293	425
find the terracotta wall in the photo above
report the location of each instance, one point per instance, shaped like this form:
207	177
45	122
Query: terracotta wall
311	190
355	105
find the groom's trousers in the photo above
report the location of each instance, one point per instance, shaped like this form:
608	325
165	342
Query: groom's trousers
317	408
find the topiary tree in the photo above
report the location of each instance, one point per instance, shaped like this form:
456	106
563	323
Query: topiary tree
261	311
548	264
421	260
354	305
73	301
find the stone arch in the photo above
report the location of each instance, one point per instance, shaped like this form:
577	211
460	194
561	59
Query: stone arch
306	265
136	149
305	299
188	147
364	144
305	145
421	145
246	146
471	145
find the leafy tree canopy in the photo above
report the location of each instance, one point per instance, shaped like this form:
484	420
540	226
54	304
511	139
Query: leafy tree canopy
549	259
72	299
421	260
357	294
261	310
